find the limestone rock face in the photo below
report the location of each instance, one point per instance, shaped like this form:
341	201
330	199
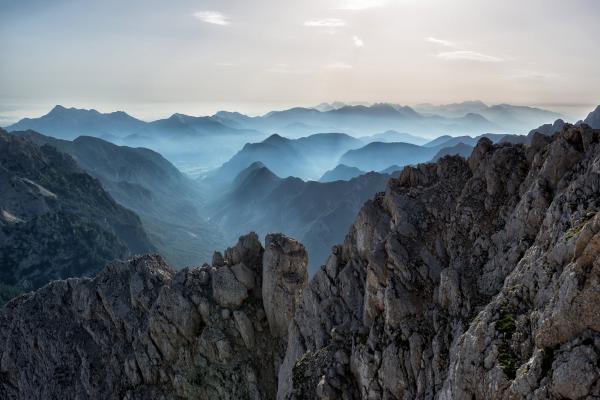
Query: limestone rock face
284	278
139	330
465	279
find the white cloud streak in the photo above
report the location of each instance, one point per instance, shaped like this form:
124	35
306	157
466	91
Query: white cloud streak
441	42
212	17
467	55
325	23
358	42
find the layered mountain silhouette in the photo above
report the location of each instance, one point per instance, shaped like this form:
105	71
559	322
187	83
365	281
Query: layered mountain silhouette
333	156
378	156
307	157
359	120
317	212
56	221
388	157
461	118
69	123
395	136
140	179
341	173
180	137
515	119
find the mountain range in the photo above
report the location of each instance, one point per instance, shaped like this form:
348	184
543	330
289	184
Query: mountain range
319	213
341	173
465	279
56	221
512	118
306	157
167	201
360	120
187	140
180	138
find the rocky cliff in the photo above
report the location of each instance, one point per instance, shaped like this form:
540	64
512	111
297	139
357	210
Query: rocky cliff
139	330
465	279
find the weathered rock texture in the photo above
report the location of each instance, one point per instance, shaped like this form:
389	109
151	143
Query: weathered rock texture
466	279
139	330
284	278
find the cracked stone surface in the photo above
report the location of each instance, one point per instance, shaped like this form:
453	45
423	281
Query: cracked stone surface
465	279
140	330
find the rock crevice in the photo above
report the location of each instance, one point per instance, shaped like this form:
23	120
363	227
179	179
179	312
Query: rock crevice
472	278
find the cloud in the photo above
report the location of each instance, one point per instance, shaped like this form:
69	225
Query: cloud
361	4
325	23
468	55
442	42
212	17
338	65
358	42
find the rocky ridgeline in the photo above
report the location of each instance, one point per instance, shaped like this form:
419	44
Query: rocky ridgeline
138	330
465	279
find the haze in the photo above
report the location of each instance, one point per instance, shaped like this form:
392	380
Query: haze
153	58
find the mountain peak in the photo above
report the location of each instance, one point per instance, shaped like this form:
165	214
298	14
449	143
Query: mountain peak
593	118
62	110
58	108
275	138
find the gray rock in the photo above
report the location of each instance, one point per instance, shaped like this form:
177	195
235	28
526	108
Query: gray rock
227	290
140	330
284	278
465	279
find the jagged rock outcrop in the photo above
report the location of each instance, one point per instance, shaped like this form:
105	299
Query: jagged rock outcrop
140	330
593	118
284	278
465	279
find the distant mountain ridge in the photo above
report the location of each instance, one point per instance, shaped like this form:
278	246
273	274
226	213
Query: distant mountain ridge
306	157
341	173
472	117
360	120
317	212
515	119
70	123
179	137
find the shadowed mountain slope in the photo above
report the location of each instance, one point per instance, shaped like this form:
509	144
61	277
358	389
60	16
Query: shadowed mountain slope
56	221
167	201
315	212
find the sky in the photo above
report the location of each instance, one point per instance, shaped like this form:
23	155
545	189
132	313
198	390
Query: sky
152	58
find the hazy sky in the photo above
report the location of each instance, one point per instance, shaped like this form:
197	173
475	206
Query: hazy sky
152	57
